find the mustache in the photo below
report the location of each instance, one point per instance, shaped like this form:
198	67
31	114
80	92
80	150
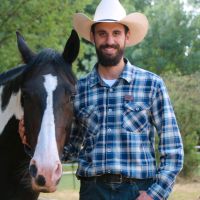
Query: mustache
114	46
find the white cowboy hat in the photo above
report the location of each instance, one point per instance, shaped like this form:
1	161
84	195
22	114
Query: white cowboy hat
112	11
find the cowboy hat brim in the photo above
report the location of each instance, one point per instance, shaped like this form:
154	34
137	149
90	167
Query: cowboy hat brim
136	22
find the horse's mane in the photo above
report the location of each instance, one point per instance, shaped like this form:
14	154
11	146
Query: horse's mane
11	74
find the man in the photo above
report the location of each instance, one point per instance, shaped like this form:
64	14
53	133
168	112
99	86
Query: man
118	109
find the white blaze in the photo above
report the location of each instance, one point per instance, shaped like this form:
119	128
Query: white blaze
46	152
13	108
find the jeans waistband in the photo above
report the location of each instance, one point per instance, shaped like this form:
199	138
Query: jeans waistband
112	178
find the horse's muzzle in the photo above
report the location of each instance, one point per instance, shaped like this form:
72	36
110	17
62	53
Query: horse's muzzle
45	178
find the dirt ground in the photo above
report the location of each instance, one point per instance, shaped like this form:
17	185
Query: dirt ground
187	191
182	191
61	195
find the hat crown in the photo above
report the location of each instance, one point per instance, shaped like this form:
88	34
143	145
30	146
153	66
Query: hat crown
109	10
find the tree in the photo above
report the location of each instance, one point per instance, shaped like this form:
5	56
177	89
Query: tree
192	61
45	23
173	41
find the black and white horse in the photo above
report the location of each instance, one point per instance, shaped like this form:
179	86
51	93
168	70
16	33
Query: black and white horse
40	91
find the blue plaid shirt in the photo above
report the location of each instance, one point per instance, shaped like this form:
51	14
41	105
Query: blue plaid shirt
114	129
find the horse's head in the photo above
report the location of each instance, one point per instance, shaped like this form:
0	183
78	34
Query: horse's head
47	89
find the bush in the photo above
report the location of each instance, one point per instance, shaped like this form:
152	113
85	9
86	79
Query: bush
192	157
184	92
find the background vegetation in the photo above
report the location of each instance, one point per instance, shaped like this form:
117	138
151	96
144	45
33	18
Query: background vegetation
171	49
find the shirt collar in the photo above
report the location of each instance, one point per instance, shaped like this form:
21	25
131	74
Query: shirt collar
127	74
94	77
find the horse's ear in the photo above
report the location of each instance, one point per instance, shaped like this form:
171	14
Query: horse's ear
26	53
71	49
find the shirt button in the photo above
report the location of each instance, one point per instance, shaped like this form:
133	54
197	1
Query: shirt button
109	130
137	109
111	90
109	110
109	150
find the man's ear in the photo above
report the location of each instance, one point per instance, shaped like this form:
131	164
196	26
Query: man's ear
91	37
127	37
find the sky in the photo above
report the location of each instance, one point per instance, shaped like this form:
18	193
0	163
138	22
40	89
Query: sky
190	8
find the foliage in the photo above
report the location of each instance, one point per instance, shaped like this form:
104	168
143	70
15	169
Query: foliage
192	157
185	95
172	44
171	41
44	23
86	64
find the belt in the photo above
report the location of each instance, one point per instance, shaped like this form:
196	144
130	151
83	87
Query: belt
112	178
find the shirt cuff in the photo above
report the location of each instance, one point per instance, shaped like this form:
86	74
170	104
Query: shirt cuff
157	192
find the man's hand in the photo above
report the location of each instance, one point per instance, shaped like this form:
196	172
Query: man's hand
144	196
21	130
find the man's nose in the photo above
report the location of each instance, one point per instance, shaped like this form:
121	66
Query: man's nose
110	39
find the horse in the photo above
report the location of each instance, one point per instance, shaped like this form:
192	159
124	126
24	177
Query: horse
41	91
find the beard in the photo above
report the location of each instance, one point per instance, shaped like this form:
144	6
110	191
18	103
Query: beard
108	60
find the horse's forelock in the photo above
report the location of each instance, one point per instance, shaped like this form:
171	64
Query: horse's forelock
47	56
50	57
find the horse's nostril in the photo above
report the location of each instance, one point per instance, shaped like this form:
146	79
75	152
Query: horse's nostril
58	169
40	180
33	170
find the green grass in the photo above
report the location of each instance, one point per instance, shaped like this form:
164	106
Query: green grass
69	182
70	167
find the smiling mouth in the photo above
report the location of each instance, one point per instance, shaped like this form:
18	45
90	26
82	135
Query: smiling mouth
109	50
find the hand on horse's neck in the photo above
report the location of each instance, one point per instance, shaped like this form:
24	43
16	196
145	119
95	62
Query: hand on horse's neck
111	72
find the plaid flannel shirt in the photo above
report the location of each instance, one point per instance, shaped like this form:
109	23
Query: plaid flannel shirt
114	129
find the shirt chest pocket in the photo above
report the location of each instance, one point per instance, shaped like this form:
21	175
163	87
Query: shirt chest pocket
89	119
135	117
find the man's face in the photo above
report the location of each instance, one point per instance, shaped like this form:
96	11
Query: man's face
110	40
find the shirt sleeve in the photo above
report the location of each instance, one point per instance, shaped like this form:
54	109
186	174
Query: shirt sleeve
170	144
75	140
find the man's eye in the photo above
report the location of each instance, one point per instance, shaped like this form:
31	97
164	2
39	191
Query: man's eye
102	34
116	33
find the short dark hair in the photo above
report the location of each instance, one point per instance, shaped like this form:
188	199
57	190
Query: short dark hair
94	25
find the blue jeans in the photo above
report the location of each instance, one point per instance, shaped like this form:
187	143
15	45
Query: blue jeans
99	190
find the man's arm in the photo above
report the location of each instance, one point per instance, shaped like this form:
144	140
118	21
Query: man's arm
170	144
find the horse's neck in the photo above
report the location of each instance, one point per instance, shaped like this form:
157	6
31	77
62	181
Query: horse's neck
12	107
